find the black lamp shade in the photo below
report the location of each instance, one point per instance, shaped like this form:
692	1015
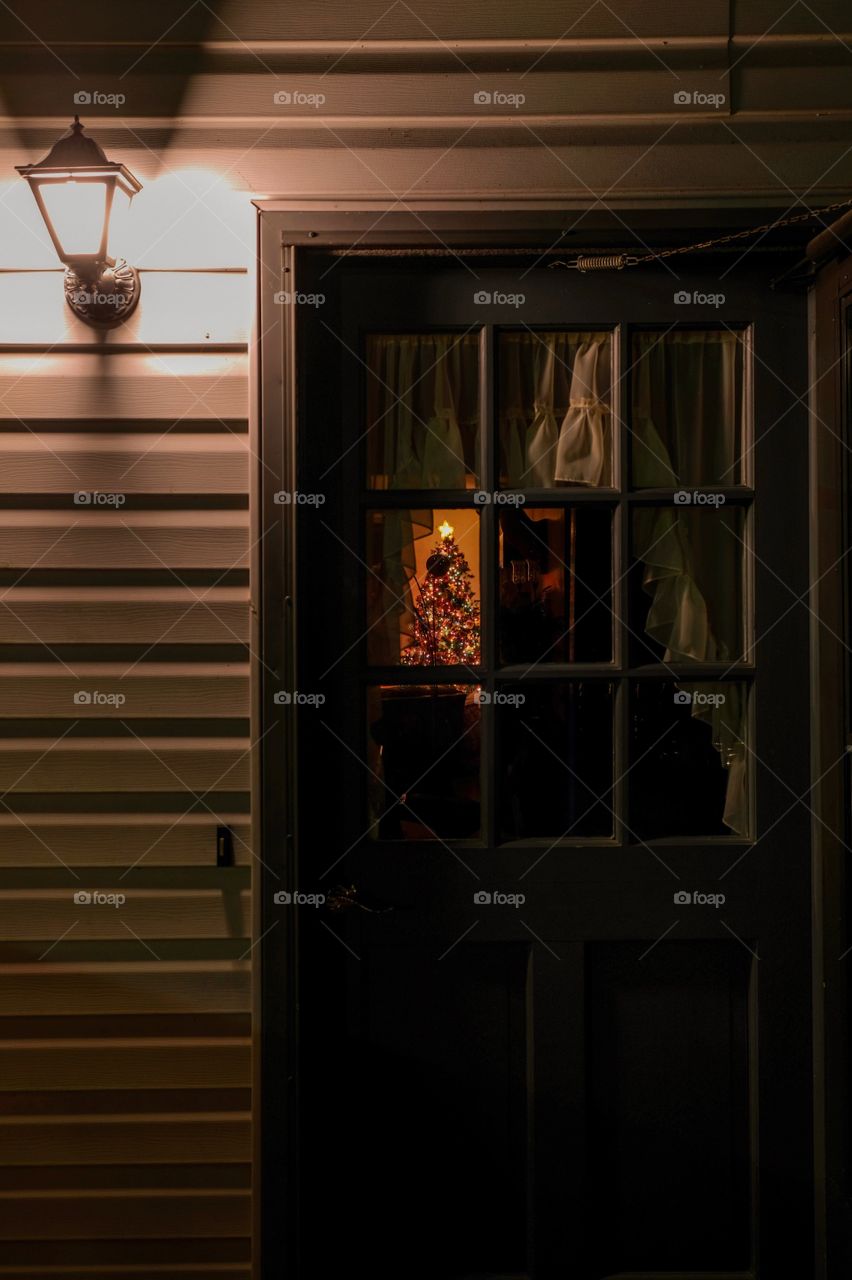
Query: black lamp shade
76	189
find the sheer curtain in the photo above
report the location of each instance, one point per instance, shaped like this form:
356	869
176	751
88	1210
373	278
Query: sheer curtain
687	416
422	409
687	408
555	409
422	433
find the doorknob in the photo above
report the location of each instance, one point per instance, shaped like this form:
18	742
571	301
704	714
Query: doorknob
345	897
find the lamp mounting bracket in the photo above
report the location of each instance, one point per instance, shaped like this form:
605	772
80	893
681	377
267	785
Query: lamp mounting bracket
108	299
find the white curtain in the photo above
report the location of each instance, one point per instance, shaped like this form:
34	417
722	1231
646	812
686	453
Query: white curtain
422	410
686	422
687	408
422	433
554	409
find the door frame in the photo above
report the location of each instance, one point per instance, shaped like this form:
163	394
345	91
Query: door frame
830	317
486	226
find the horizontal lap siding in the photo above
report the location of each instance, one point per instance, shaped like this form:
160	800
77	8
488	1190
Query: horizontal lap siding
125	1063
91	615
114	840
105	539
162	388
600	110
111	462
141	988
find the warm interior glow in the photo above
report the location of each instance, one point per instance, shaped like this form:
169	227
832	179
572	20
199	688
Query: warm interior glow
466	533
76	210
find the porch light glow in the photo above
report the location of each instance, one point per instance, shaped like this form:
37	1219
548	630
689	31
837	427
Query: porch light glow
77	189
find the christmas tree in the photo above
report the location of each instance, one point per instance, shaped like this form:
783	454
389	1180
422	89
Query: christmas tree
446	616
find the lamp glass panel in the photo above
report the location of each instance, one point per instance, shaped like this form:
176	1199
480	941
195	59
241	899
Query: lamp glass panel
119	221
77	211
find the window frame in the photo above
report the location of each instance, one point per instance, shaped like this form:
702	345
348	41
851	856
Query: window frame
621	500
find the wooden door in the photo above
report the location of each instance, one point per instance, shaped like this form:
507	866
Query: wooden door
547	897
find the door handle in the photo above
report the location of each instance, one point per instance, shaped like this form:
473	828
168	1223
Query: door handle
346	897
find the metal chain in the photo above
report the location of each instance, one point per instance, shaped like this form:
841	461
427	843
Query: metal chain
617	261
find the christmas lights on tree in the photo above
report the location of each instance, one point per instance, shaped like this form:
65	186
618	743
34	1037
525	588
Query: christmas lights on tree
446	616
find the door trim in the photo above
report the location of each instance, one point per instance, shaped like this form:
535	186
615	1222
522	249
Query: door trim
284	229
831	396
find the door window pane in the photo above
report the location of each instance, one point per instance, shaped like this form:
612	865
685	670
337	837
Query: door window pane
422	583
686	584
422	410
423	755
555	759
687	408
554	409
555	566
688	759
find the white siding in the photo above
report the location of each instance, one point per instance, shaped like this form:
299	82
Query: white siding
125	1049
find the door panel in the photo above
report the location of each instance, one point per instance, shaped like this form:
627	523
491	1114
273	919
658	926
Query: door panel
554	1012
671	1161
460	1103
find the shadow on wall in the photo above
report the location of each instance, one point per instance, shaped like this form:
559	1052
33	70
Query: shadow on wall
187	215
140	65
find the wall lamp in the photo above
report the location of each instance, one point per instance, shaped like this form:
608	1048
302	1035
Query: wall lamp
76	189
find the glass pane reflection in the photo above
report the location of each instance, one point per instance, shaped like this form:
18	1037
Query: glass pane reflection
555	759
688	772
423	753
555	568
